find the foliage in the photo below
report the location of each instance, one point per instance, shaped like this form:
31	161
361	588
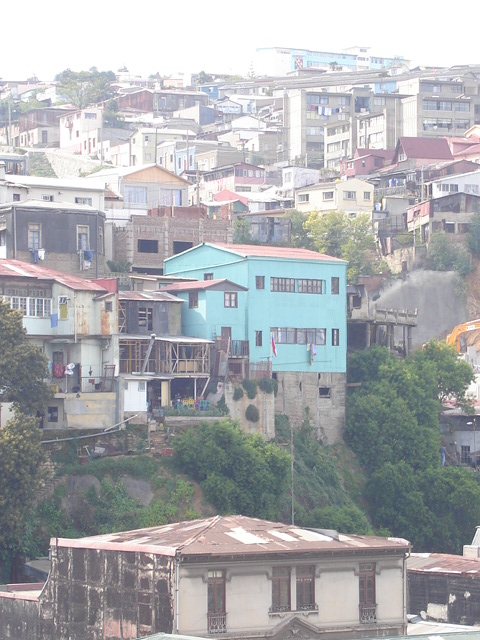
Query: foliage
85	88
242	231
352	239
238	472
23	367
268	385
347	519
21	459
474	234
141	467
252	414
250	386
237	393
299	236
444	255
121	266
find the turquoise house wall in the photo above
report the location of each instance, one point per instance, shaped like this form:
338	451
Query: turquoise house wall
265	309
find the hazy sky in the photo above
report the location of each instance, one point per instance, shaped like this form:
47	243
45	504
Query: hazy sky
146	36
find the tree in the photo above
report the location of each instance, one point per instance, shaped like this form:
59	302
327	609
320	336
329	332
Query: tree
474	234
21	471
84	88
351	239
242	231
299	236
23	367
238	472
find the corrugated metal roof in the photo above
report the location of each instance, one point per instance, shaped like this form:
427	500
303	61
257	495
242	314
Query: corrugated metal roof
202	285
16	268
443	563
264	251
233	535
158	295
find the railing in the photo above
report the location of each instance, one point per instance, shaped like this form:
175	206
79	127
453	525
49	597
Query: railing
260	369
235	348
217	623
90	384
368	613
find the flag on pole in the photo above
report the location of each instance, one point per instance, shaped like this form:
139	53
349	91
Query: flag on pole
274	348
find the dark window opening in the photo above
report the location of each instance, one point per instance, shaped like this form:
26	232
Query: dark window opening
324	392
147	246
178	246
281	589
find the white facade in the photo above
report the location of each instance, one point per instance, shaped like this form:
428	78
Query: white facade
80	131
351	196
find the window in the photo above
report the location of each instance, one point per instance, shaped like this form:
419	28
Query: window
47	197
147	246
305	588
280	589
208	276
310	286
90	116
328	195
260	282
52	414
258	338
350	195
101	246
145	318
230	299
462	106
217	616
16	197
62	307
324	392
367	195
303	197
193	300
84	201
366	584
465	457
83	238
335	285
335	337
135	195
282	284
34	236
108	307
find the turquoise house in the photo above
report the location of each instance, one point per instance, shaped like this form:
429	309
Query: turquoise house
293	312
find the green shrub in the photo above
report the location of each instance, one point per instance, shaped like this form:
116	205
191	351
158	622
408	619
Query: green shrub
250	387
268	385
237	393
252	413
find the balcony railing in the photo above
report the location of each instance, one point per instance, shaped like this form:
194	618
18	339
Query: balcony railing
217	623
235	348
368	613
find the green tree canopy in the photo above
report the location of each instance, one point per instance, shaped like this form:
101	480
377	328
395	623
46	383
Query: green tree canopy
352	239
21	464
85	88
238	472
23	367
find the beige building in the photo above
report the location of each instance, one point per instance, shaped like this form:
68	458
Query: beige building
232	576
351	196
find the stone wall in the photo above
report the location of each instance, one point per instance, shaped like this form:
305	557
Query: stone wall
265	403
319	396
18	617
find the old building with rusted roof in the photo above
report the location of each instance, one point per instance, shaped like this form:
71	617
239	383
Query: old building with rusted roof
232	576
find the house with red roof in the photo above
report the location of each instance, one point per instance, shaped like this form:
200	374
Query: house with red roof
228	576
290	308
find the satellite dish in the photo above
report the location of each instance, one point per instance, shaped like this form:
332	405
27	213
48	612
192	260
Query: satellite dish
70	366
68	372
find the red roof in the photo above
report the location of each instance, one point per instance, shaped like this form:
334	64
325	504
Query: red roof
425	148
227	196
268	251
16	268
443	563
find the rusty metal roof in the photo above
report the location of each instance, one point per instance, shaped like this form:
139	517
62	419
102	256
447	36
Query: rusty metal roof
269	251
443	563
234	535
158	295
16	268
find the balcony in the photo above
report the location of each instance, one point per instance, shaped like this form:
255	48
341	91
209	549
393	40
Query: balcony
235	348
368	613
217	623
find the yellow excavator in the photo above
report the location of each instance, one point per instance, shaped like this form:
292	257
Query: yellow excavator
458	340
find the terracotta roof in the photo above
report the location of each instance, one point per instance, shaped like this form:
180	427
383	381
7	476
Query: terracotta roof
16	268
443	563
199	285
268	251
234	535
